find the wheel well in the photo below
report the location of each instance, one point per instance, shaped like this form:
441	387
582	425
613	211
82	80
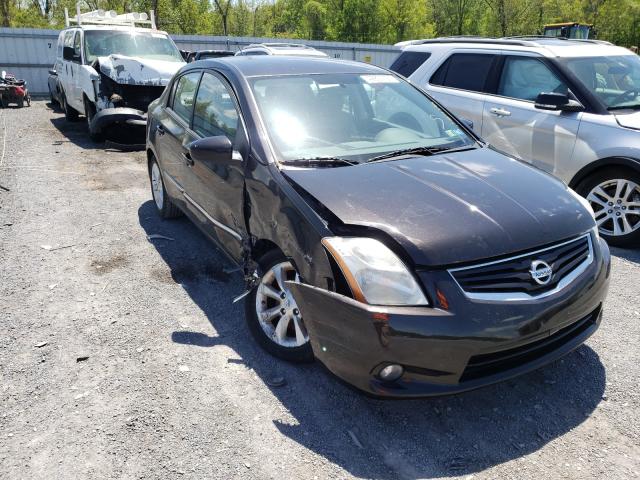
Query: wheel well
601	164
263	246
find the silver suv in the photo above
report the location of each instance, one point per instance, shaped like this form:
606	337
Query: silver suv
570	107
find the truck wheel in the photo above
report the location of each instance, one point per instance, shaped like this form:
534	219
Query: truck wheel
70	114
166	208
614	195
52	99
89	113
272	314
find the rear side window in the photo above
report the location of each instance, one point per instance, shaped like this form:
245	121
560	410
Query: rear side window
409	62
184	96
466	71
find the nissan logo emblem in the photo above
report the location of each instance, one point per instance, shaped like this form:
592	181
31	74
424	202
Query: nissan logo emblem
541	272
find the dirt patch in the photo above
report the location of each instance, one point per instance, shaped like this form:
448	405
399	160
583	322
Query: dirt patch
106	265
192	273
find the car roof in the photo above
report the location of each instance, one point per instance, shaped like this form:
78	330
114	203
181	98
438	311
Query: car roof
548	46
258	66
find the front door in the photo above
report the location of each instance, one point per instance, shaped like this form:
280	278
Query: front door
173	131
66	72
215	188
513	125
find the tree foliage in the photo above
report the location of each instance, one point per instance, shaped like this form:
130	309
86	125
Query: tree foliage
370	21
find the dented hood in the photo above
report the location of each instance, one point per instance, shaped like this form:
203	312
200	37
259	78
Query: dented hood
138	71
629	120
451	208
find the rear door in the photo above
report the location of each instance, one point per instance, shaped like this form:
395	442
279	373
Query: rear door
461	81
216	188
511	122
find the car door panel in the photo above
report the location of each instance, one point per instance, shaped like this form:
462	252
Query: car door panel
217	187
537	136
513	124
460	81
172	130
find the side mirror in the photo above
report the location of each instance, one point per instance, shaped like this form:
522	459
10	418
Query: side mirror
68	53
468	123
52	71
211	150
557	101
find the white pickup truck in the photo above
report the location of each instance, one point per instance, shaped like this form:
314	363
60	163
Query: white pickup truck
109	69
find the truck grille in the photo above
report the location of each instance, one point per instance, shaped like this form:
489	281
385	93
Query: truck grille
513	278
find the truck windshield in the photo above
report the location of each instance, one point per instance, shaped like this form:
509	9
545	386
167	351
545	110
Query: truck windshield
352	117
150	45
615	80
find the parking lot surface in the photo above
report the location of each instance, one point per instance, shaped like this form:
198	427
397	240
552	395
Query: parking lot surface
122	356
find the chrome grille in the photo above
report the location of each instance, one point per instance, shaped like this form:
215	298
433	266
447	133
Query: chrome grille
511	278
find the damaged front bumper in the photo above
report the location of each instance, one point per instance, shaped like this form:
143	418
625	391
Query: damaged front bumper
119	116
473	344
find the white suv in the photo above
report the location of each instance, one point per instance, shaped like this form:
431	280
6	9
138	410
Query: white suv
289	49
109	69
570	107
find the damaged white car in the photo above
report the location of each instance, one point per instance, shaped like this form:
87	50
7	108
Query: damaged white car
109	69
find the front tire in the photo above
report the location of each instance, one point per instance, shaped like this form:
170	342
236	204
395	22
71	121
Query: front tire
272	314
614	195
165	207
89	113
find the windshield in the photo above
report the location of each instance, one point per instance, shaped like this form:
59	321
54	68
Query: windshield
150	45
615	80
351	116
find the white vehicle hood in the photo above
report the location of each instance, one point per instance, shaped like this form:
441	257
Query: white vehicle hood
629	120
138	71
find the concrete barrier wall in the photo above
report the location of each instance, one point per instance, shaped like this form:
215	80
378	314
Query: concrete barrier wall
28	52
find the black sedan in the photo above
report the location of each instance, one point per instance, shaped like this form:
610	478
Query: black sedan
376	233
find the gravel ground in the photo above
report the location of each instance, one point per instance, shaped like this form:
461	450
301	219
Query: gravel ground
123	357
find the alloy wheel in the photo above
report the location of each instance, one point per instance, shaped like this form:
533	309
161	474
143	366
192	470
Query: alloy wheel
276	308
616	203
156	186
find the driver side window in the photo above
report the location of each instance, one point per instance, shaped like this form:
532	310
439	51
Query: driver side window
215	110
77	47
184	96
525	77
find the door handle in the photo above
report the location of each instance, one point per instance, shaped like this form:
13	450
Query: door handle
160	130
500	112
187	158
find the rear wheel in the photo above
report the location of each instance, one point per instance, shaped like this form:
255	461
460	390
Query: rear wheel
272	313
70	113
52	99
166	208
614	195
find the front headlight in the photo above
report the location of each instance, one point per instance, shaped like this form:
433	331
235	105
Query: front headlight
375	274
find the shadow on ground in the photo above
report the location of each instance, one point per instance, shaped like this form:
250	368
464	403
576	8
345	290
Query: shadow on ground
630	254
77	133
372	438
